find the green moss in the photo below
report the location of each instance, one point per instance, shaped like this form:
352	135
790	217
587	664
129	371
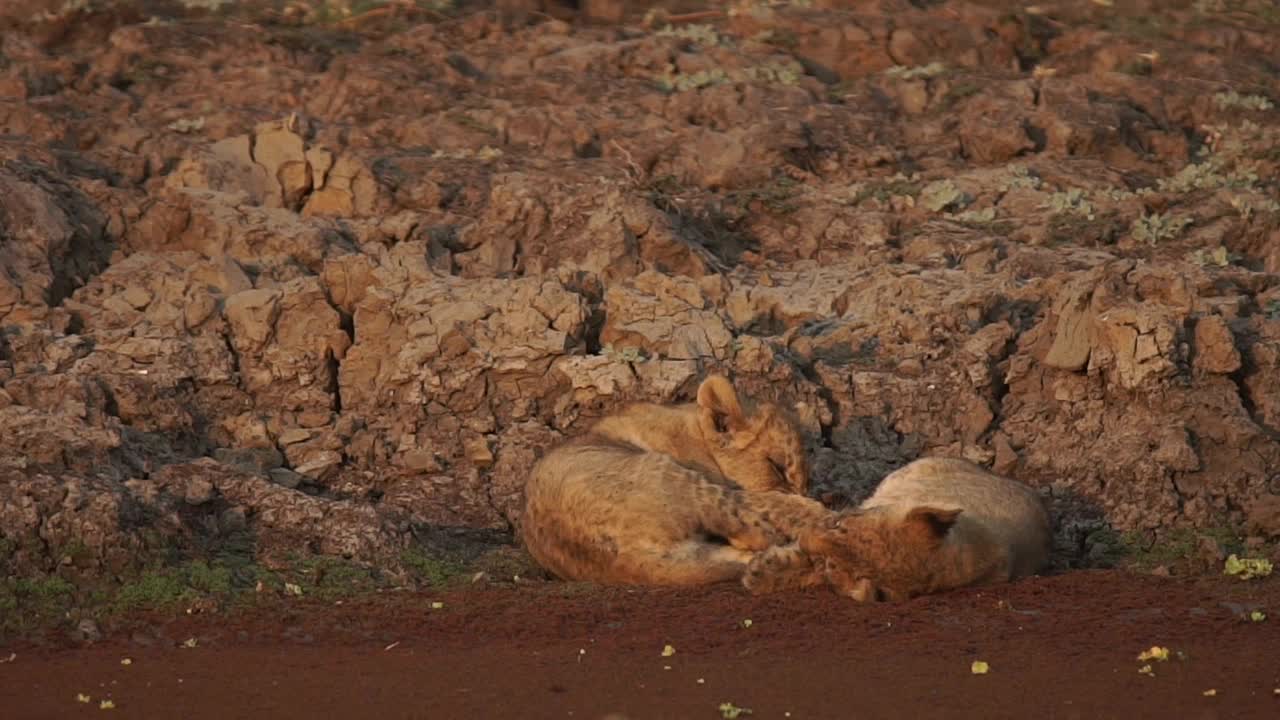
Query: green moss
1171	548
154	590
432	570
31	601
333	578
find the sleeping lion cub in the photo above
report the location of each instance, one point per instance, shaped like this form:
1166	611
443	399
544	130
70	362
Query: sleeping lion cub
754	445
663	495
933	525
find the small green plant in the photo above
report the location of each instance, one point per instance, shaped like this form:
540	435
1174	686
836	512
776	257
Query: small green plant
625	355
1209	175
484	154
1072	201
210	5
66	10
1273	309
1248	207
699	34
186	125
1219	256
941	194
775	73
1233	100
777	196
897	186
902	72
729	711
681	82
1155	228
1120	194
1020	178
977	217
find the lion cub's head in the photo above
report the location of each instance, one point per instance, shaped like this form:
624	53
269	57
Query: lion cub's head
758	447
884	553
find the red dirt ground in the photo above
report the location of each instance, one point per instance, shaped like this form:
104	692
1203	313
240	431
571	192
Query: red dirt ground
1058	647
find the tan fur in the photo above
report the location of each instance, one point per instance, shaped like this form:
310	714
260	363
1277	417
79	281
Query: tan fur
933	525
610	512
757	447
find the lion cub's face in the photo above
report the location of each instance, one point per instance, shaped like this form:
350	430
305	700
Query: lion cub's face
879	554
760	449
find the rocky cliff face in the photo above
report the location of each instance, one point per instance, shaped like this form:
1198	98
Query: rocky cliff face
327	283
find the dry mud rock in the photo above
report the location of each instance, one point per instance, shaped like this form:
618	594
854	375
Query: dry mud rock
330	284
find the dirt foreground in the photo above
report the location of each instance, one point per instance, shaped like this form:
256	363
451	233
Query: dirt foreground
1058	647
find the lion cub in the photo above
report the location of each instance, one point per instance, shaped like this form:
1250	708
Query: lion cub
933	525
612	513
660	495
755	445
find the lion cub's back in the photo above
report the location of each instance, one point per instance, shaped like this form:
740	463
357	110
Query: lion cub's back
1011	511
598	510
597	478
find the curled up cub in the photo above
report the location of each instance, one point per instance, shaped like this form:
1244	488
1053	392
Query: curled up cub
680	495
933	525
754	445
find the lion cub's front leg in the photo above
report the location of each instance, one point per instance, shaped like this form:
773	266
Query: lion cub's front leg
782	567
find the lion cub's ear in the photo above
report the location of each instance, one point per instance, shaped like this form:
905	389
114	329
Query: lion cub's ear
929	524
719	403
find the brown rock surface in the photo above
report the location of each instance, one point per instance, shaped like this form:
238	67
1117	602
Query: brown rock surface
329	283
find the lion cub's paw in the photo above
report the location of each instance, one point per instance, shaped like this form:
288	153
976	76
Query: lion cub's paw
780	567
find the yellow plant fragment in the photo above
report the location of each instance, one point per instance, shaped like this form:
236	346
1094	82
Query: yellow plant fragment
1247	568
1155	653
